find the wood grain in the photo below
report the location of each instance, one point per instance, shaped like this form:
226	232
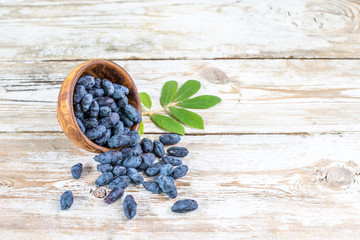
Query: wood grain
259	96
280	187
178	29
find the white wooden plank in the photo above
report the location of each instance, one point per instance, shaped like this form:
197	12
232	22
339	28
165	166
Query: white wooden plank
247	186
174	29
258	96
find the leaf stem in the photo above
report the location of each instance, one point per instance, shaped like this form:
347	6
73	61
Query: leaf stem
161	110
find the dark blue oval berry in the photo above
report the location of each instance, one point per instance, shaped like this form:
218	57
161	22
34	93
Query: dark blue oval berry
134	138
96	132
76	170
108	87
66	200
87	81
119	170
147	145
79	93
104	179
135	176
104	167
132	113
183	206
86	102
120	182
109	157
152	187
129	206
114	195
178	151
159	148
170	138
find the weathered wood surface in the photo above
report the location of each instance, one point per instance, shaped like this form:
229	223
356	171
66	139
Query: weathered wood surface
259	96
248	186
178	29
279	158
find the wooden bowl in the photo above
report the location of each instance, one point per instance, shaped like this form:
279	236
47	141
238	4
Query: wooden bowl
99	68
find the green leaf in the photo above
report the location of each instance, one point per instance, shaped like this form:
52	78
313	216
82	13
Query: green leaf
200	102
187	117
141	128
145	99
188	89
168	92
168	124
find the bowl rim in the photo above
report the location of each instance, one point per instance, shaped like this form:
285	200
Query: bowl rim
76	77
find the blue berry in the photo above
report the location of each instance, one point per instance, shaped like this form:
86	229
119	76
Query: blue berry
109	157
147	145
166	170
178	151
118	94
66	200
79	93
81	125
119	182
183	206
104	138
78	112
118	141
126	130
110	121
154	169
152	187
108	102
131	162
104	167
122	88
127	122
119	170
86	102
90	122
167	185
172	160
147	159
134	175
129	206
87	81
95	133
159	148
76	170
104	111
97	83
132	151
94	109
122	102
104	179
97	92
118	129
108	87
179	172
132	113
169	138
134	138
114	195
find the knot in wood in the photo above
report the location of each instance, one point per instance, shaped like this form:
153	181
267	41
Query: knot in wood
340	176
214	75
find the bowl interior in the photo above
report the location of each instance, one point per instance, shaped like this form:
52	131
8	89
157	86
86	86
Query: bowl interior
108	70
104	69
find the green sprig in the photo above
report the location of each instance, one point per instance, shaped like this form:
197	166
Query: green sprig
171	99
